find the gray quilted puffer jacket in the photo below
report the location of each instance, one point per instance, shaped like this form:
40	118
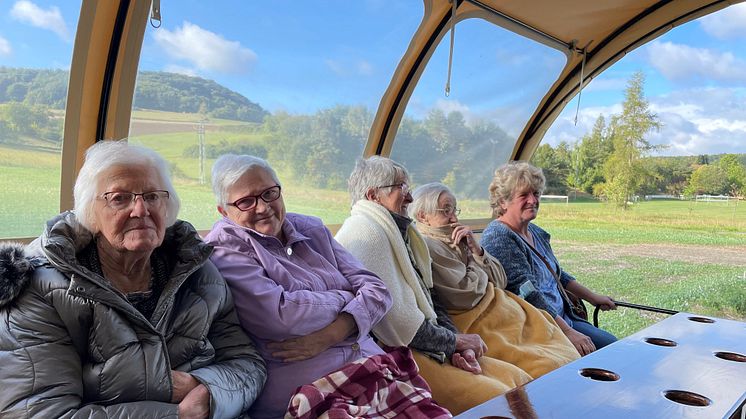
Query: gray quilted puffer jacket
72	346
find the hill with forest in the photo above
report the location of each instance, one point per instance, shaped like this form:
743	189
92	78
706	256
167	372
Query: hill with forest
160	91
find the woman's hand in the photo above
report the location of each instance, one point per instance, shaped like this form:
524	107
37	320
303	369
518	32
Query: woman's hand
582	343
462	232
196	404
467	361
183	383
472	342
305	347
604	302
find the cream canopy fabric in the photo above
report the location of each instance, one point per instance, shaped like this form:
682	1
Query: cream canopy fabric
601	32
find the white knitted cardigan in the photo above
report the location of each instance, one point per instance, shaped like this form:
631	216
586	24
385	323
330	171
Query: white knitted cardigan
372	236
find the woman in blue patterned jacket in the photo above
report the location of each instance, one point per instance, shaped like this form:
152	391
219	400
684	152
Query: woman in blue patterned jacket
523	249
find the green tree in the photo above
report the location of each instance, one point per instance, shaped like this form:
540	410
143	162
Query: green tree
587	158
735	174
624	171
707	179
555	163
668	175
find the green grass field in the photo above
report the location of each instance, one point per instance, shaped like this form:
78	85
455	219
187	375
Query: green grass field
675	254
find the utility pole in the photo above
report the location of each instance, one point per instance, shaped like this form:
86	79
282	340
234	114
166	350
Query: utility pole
201	139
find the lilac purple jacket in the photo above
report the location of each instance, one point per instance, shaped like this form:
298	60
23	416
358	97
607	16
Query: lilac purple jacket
282	291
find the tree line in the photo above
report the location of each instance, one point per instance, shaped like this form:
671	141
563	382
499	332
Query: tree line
161	91
613	161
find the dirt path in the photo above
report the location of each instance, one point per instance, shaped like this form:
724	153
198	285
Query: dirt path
723	255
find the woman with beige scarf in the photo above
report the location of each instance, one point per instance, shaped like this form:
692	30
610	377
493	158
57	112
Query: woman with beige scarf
471	284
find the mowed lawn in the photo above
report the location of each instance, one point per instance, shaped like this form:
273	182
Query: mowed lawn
680	255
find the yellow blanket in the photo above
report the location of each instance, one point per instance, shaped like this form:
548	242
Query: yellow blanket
458	390
523	343
517	332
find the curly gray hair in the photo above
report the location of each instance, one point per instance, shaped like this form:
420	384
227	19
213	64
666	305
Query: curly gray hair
512	177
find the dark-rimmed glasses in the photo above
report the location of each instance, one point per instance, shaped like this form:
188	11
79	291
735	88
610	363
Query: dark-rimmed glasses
120	200
448	211
249	202
404	186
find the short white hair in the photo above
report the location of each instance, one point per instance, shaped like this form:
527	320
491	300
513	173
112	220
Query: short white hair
229	168
373	172
425	199
99	159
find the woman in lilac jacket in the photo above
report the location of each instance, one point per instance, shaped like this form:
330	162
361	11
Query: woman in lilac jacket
308	303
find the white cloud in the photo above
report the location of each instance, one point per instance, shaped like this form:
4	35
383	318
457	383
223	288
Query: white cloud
449	105
681	62
187	71
50	19
701	121
695	121
565	129
729	23
597	85
206	50
5	48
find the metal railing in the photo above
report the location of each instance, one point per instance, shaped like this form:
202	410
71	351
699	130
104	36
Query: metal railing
635	306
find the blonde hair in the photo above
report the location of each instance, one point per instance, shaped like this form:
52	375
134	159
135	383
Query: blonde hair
512	177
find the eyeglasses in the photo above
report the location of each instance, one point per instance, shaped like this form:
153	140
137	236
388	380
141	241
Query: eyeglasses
122	200
402	185
249	202
448	211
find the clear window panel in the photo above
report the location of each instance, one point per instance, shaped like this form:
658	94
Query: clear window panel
498	79
297	83
36	43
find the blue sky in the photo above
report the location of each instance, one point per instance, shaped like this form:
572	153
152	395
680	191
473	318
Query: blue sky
342	52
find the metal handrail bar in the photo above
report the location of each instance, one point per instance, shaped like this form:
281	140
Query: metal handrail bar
635	306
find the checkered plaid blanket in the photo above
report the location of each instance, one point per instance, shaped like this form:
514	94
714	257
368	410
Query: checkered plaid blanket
380	386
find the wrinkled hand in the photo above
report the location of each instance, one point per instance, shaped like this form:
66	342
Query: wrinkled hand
183	383
582	343
305	347
604	302
196	404
300	348
470	341
467	361
462	232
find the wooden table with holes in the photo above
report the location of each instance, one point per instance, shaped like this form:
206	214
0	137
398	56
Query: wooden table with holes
686	366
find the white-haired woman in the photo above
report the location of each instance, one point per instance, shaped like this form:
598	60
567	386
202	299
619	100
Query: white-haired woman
379	233
305	300
523	249
471	283
116	311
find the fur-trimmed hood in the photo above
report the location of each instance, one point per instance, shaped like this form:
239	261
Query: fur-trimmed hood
15	271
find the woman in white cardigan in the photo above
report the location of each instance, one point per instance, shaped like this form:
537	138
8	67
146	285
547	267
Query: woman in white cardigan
379	233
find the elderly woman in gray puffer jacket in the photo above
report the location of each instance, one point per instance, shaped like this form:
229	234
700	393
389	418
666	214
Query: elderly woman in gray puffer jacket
116	310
